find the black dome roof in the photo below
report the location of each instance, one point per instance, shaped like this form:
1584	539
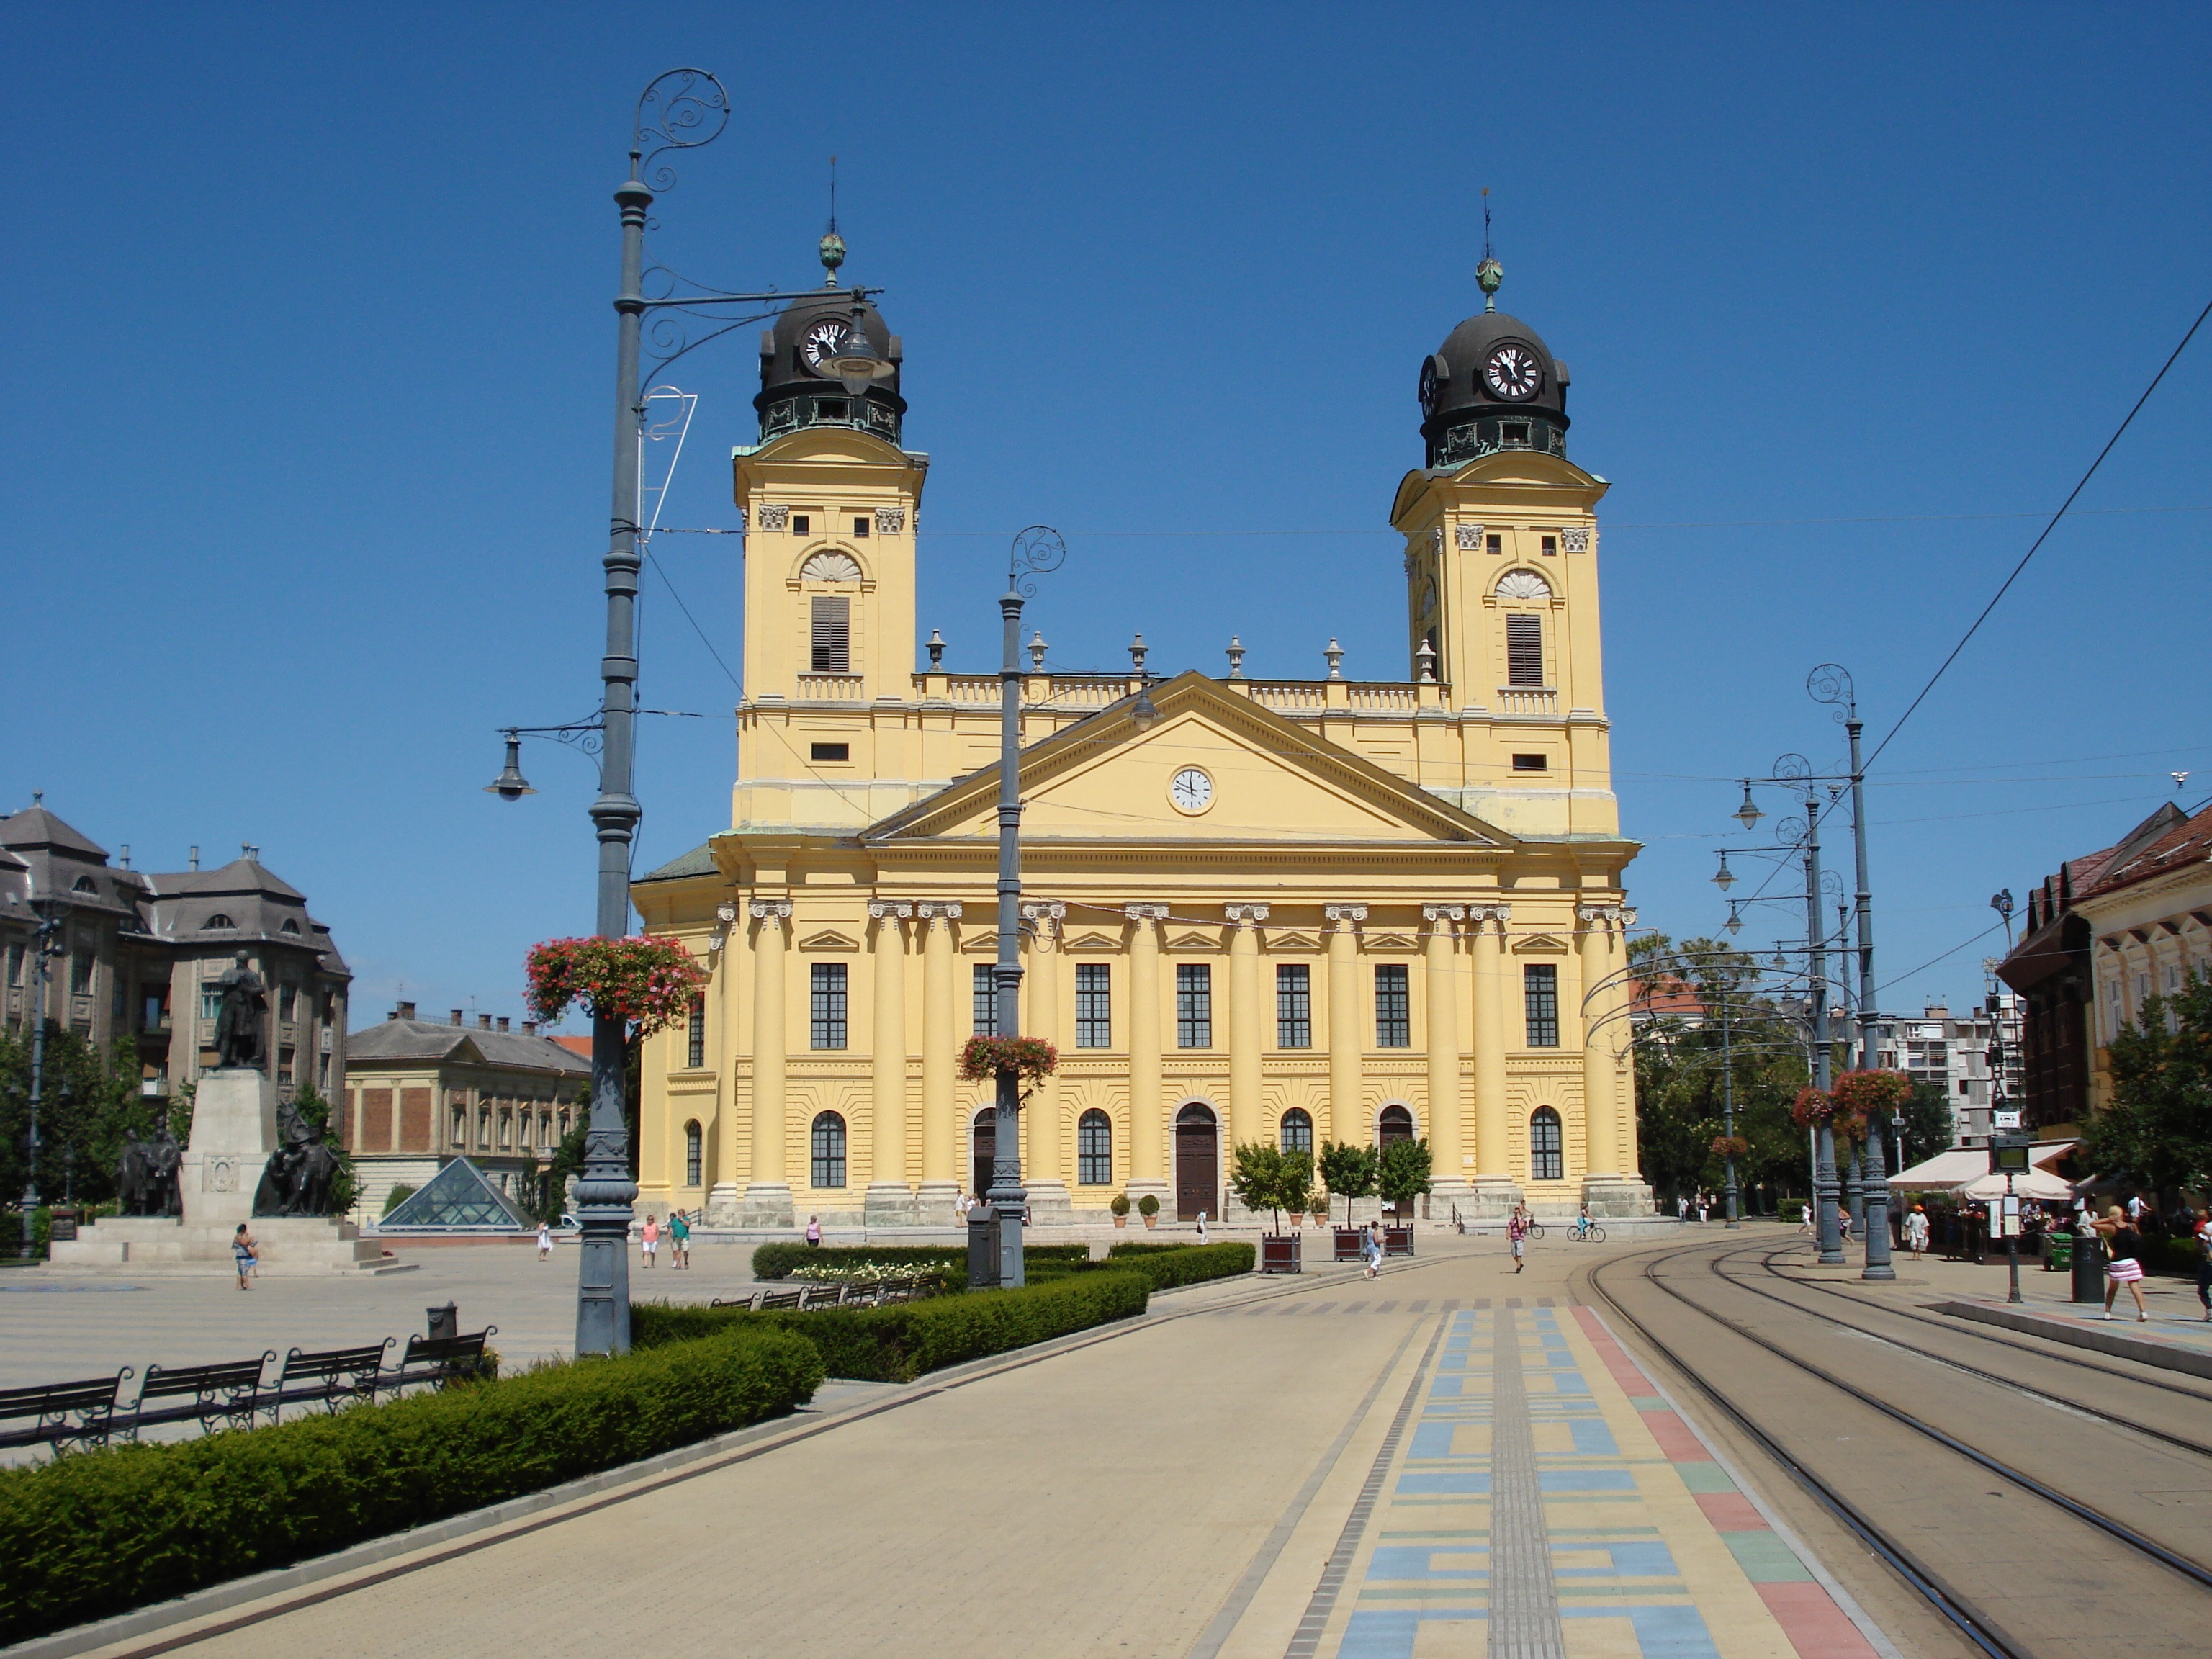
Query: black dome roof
1461	407
794	395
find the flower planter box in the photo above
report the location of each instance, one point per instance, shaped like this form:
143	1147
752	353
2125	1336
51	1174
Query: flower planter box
1397	1240
1281	1253
1347	1243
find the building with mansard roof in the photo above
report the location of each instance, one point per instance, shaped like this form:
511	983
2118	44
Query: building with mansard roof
1285	911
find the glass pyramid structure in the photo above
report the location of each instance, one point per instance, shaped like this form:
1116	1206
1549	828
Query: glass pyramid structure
457	1197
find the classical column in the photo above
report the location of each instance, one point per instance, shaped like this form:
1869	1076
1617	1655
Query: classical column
1147	1132
1495	1192
937	1201
1244	1029
1347	1028
888	1201
722	1196
1611	1187
768	1193
1044	1169
1447	1133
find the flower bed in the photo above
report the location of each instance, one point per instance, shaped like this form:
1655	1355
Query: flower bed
780	1261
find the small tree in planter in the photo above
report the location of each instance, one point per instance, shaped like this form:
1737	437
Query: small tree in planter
1268	1178
1120	1207
1149	1207
1404	1173
1350	1172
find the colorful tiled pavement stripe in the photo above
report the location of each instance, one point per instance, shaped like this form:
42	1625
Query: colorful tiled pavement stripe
1548	1505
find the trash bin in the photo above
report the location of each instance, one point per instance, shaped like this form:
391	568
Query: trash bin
444	1322
2088	1268
982	1248
2057	1253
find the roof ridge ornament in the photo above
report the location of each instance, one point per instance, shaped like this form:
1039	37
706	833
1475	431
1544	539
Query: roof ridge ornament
1489	276
832	245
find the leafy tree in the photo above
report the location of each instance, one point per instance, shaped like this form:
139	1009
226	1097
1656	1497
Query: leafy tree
400	1192
1349	1171
1265	1177
1404	1173
89	1104
1924	1123
2158	1129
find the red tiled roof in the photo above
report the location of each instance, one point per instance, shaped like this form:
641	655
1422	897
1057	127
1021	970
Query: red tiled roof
575	1045
2189	841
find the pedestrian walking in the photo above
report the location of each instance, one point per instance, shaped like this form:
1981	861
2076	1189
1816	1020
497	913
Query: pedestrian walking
1843	1222
814	1232
1681	1206
1916	1232
242	1247
2137	1209
544	1243
1705	1208
1370	1248
1805	1217
2124	1246
1201	1226
651	1237
2204	1235
1517	1233
679	1241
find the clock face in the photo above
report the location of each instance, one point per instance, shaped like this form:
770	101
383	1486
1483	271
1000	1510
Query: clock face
1512	373
1191	790
1429	384
822	340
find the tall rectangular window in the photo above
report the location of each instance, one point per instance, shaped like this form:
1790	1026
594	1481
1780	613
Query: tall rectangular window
828	1005
14	964
1194	1005
81	961
1094	1005
984	995
1539	993
696	1051
833	633
1294	1006
1394	1007
1524	648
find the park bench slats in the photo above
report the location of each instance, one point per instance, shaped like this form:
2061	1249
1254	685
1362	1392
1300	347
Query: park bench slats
773	1299
61	1413
331	1377
440	1358
229	1390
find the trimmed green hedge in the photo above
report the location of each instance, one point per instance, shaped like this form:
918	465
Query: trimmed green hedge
776	1261
901	1342
97	1533
1166	1267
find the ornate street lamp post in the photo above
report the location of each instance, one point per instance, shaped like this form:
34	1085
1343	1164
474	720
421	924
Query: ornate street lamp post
1037	550
46	945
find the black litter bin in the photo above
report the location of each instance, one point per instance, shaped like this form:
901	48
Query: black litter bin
982	1248
2088	1268
444	1322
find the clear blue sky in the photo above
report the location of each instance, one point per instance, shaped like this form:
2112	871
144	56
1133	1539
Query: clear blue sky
310	363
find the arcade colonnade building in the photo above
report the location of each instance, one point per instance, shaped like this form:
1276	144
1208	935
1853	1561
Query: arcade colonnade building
1284	911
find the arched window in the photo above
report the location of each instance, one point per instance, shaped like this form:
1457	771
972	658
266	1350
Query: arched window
828	1150
694	1145
290	925
1396	1123
219	919
1547	1147
83	885
1094	1150
1298	1132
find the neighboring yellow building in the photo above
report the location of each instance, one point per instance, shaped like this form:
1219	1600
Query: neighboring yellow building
2150	913
1289	911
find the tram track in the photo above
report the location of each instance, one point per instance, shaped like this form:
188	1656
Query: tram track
1965	1611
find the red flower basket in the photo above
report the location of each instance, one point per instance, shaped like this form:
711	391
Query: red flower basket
1813	1109
1872	1093
1729	1146
648	983
1029	1058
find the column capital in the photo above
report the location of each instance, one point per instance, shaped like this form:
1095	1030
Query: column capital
1604	916
882	910
1245	915
771	911
1444	914
1145	911
1345	916
1481	915
937	911
1044	910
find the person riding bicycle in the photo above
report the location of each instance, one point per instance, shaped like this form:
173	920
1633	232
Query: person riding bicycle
1582	1221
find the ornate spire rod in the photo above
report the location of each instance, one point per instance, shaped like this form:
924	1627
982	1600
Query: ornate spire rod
1489	275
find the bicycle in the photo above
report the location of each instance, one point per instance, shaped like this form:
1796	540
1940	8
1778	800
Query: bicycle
1535	1229
1587	1233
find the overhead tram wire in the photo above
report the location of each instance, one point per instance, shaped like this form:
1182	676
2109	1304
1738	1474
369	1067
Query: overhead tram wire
2006	586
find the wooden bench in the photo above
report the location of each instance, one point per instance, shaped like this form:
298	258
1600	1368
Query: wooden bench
227	1392
330	1377
440	1358
61	1415
771	1300
745	1302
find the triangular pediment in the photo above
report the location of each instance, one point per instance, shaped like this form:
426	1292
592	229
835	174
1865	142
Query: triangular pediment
1194	941
1388	941
1092	941
1539	944
980	944
828	939
1292	942
1251	776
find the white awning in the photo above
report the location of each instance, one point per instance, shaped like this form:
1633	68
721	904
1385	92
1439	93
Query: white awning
1953	1168
2035	1184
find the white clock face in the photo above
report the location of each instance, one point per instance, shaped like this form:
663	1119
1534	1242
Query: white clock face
1191	790
821	341
1512	373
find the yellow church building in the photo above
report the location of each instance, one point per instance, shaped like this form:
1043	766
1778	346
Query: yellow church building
1256	909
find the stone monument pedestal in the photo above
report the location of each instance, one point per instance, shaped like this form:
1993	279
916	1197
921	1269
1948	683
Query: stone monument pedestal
233	1132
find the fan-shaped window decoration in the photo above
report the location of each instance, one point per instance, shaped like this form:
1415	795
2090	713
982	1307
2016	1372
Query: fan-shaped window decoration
219	919
1298	1132
694	1145
829	1169
290	925
831	567
1094	1150
83	885
1546	1158
1523	585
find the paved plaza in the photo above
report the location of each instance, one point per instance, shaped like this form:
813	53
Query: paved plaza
1322	1466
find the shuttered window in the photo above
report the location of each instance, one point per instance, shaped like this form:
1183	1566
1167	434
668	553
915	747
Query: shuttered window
833	633
1524	648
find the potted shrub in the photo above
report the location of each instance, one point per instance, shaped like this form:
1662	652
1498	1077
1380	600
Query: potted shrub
1265	1177
1120	1207
1320	1203
1402	1176
1149	1207
1350	1172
